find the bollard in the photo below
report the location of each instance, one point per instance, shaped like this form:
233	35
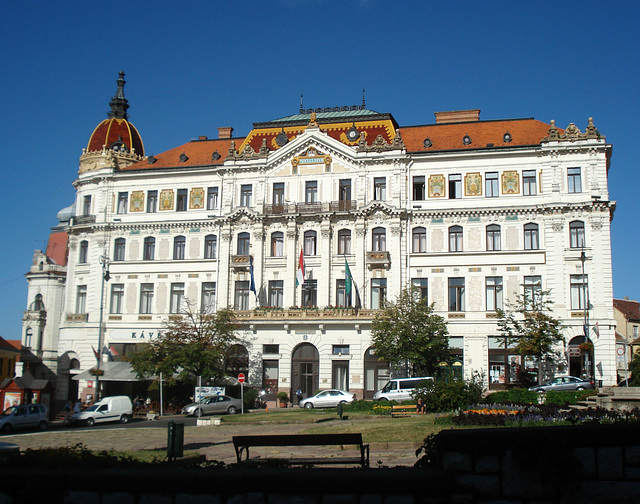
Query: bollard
175	440
340	407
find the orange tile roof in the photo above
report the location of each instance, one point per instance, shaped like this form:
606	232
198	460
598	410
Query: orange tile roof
197	152
630	309
9	345
450	136
57	247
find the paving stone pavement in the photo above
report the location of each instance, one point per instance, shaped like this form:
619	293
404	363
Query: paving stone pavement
215	442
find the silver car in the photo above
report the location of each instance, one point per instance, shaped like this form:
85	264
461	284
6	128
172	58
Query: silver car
213	404
565	383
25	416
327	399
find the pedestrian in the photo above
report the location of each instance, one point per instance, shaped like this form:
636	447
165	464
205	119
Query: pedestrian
420	407
67	411
299	394
77	407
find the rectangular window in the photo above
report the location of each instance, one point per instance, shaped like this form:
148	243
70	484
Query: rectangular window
118	249
276	293
380	188
278	193
152	201
181	201
311	191
455	186
86	206
212	198
245	195
177	297
81	299
310	293
456	294
123	199
420	288
117	295
344	190
494	293
210	246
529	183
146	298
179	244
491	185
532	290
378	292
310	243
579	291
344	242
340	349
574	180
419	188
149	249
271	349
208	297
531	238
84	252
242	295
455	239
342	299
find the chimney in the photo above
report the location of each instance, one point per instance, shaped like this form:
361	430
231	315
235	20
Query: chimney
202	137
225	132
458	116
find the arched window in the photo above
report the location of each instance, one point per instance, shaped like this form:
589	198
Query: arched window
344	241
210	246
576	234
378	239
419	240
531	239
149	250
310	238
493	237
179	243
455	239
28	336
244	243
237	361
84	252
118	249
277	244
38	304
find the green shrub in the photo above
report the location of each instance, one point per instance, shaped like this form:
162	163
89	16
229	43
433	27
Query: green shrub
512	396
566	397
451	395
249	397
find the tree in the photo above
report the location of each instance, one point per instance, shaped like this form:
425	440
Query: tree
408	332
192	344
529	322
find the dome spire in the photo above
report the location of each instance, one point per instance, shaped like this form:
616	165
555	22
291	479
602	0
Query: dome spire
119	103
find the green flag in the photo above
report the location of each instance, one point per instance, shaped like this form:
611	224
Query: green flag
348	279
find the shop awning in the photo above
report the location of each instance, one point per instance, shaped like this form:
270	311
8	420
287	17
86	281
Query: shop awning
113	371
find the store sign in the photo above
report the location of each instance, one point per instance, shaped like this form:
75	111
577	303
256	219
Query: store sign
134	334
574	351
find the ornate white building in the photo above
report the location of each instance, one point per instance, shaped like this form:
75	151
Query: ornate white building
469	211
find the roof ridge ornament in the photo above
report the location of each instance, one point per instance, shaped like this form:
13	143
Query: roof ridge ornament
119	103
572	133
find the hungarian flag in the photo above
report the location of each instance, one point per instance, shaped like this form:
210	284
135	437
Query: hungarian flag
596	330
300	272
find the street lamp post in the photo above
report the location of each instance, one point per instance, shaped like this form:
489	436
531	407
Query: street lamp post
585	327
104	260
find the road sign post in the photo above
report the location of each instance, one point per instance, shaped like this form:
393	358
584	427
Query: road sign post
241	380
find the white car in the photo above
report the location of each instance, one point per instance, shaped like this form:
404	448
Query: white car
109	409
25	416
327	399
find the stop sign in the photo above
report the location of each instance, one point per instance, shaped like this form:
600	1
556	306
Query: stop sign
241	377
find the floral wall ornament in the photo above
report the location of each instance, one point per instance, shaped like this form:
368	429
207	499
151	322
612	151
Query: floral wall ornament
473	184
436	186
166	199
196	200
510	182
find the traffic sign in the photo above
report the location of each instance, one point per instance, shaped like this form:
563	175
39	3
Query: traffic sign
241	377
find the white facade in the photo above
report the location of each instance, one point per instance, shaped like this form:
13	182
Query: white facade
470	224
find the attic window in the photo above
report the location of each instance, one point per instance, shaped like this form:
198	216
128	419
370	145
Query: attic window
466	140
282	138
215	156
183	157
507	137
119	146
151	160
427	143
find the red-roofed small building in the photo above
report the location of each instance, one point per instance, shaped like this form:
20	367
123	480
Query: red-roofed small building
470	212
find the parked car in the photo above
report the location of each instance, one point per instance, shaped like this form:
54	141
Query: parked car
565	383
400	389
213	404
327	399
25	416
109	409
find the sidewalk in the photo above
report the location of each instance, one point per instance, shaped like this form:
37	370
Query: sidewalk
215	442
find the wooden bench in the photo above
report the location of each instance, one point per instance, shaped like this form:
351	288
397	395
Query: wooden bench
243	443
403	410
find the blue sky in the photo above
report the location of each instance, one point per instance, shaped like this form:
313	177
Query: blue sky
193	67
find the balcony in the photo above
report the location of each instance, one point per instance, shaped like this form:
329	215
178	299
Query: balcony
240	261
378	259
343	205
276	209
280	314
84	219
315	207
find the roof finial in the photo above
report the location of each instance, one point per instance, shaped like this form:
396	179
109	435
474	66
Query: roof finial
301	107
119	103
363	106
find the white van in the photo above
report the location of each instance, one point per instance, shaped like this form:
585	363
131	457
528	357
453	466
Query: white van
109	409
399	389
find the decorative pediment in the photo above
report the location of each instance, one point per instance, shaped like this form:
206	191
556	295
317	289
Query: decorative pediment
248	153
380	144
572	133
242	213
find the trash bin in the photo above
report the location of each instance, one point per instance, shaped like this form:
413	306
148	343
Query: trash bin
175	440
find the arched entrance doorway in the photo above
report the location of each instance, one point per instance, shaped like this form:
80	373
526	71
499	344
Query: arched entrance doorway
376	373
304	369
580	356
236	361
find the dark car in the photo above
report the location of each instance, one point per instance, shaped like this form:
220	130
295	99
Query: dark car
565	383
